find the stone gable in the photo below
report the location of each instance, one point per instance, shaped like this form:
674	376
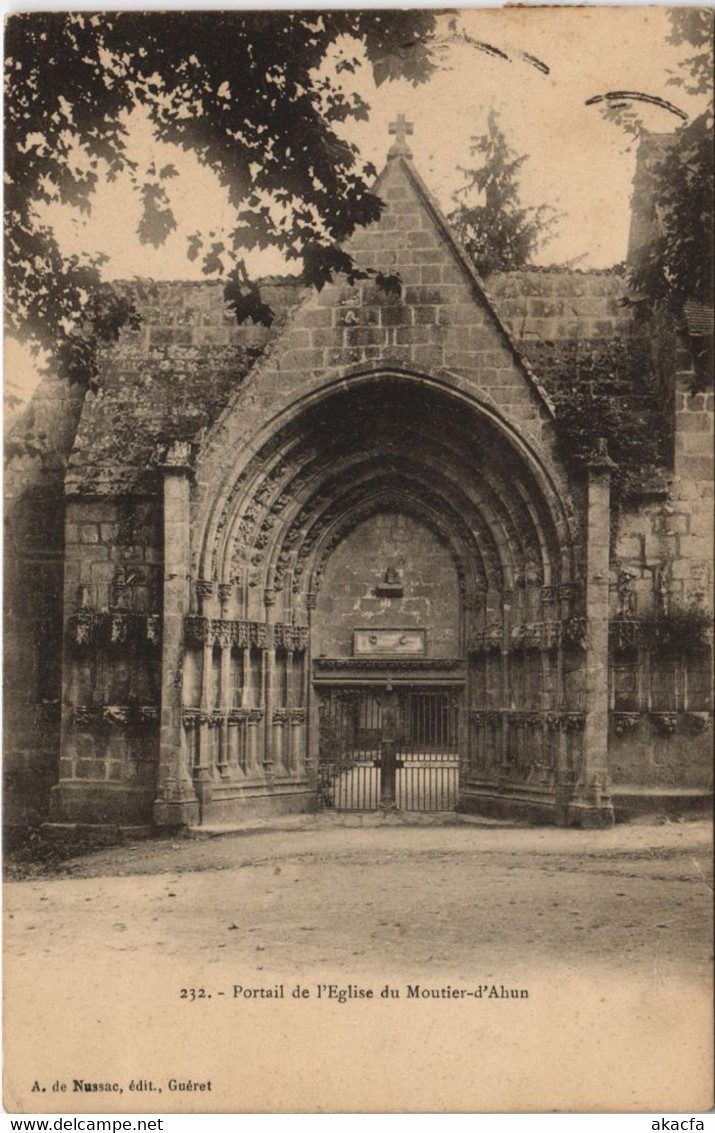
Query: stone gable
441	322
442	325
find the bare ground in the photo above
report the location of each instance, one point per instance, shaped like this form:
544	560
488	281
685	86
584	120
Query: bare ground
557	913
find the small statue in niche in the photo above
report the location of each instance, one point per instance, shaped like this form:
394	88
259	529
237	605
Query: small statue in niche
662	591
626	594
391	584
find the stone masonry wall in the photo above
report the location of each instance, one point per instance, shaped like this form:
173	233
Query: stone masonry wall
661	699
348	599
166	381
113	586
36	453
556	305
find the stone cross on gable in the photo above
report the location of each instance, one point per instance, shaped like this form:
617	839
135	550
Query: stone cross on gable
400	128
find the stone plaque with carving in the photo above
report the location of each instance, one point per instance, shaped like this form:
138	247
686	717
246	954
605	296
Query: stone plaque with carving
395	642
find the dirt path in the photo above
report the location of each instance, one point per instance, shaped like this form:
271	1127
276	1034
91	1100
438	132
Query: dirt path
405	905
421	895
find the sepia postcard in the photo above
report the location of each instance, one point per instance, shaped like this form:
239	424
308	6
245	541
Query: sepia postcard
358	561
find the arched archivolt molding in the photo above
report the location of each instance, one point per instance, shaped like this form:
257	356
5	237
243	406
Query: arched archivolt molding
464	552
467	565
220	449
282	547
320	486
276	466
365	483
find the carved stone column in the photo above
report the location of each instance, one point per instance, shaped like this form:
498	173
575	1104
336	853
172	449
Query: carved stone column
225	700
269	677
507	676
310	700
203	771
591	804
176	803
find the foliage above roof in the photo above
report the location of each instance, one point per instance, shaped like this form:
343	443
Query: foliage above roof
242	91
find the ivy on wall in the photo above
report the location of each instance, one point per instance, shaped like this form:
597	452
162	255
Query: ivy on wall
607	389
682	629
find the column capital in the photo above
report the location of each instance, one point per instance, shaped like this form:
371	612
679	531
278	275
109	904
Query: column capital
175	458
599	460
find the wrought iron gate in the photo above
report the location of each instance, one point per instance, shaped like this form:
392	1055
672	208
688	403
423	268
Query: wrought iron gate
383	748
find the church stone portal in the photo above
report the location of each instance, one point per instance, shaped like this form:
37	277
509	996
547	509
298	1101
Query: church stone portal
343	564
389	615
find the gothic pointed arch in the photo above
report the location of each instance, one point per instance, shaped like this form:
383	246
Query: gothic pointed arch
381	426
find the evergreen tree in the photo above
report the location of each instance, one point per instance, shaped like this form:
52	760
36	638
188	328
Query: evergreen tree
497	231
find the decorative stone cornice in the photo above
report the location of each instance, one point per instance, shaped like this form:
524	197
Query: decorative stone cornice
531	636
192	717
696	724
573	721
395	666
221	631
114	715
563	719
111	628
213	718
85	717
624	722
290	637
664	723
238	715
487	640
491	719
657	632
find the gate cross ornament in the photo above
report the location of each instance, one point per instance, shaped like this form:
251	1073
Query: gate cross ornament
388	747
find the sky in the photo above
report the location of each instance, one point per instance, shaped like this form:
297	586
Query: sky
578	163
